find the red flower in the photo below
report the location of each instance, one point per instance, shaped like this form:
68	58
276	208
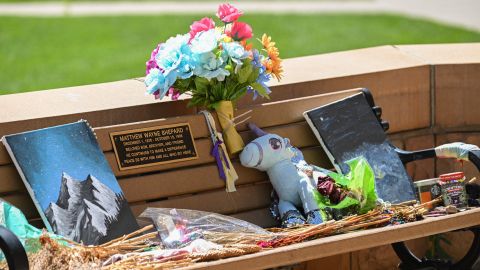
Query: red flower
240	31
228	13
200	26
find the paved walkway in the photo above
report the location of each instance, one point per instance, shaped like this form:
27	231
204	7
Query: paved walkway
465	13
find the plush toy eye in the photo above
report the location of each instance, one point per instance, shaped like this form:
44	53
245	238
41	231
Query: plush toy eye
275	143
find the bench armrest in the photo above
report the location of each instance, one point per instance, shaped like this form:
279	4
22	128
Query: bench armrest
460	151
13	250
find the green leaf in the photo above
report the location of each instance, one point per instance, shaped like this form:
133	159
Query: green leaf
245	72
201	85
254	76
260	90
238	93
183	85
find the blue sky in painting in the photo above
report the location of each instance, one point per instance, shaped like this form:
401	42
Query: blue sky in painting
45	154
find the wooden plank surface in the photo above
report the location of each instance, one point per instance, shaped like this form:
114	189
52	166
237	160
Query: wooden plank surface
403	94
264	115
457	95
344	243
260	217
245	198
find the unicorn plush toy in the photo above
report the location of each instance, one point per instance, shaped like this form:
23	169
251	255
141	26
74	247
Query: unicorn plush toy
282	162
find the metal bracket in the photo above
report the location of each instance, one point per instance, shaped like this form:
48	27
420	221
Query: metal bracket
13	250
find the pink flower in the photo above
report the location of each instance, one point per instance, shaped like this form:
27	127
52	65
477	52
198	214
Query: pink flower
151	63
174	93
228	13
240	31
200	26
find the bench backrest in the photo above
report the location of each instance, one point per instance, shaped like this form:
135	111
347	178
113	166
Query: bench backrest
195	184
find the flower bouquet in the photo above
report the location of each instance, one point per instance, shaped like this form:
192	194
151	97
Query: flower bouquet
216	66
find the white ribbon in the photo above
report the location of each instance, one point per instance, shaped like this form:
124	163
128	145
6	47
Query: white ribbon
456	150
227	166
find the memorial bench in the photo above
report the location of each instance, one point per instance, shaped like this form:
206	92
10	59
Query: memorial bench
195	184
429	93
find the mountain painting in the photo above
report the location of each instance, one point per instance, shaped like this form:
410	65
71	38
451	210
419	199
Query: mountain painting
71	183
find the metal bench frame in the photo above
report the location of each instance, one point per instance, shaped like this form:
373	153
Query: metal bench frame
13	250
408	259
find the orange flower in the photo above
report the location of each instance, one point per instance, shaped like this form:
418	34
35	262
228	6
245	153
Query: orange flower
274	67
273	63
273	53
247	47
267	42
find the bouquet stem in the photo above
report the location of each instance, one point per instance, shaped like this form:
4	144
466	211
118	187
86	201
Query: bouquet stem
233	141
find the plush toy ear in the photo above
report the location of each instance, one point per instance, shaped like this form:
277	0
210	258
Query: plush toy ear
258	131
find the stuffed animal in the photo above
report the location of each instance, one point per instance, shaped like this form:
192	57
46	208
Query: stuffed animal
294	187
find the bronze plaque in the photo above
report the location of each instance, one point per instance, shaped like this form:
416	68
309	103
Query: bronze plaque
138	148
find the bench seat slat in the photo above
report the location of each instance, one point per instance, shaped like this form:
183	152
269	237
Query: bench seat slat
344	243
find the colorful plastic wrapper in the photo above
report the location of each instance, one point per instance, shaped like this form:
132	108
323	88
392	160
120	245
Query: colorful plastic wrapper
179	227
361	183
14	220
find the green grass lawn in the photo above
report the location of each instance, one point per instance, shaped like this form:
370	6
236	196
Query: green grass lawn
43	53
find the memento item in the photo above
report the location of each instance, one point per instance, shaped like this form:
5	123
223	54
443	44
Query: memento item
225	168
295	189
453	189
180	227
348	129
71	183
428	189
151	146
216	66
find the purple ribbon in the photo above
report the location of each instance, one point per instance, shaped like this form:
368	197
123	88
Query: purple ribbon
218	157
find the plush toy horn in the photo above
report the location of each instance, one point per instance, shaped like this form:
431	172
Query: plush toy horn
258	131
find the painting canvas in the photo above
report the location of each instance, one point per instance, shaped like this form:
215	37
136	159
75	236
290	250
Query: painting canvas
71	183
347	129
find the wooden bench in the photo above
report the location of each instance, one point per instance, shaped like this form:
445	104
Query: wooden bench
195	184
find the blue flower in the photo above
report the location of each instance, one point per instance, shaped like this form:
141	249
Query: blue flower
236	52
156	81
174	58
257	59
209	66
263	77
205	41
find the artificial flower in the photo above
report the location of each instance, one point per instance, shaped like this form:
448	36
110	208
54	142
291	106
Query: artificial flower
267	41
274	67
228	13
273	63
156	83
200	26
240	31
205	41
173	93
263	77
236	52
247	46
213	63
273	53
174	58
151	63
256	58
210	66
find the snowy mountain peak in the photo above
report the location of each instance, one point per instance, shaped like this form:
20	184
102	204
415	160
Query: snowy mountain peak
85	209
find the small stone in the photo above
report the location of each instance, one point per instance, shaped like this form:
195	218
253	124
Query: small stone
451	209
